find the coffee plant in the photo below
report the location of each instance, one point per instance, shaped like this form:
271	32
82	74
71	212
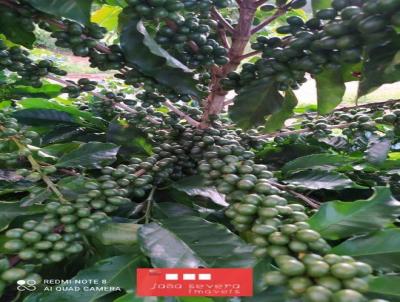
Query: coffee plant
195	154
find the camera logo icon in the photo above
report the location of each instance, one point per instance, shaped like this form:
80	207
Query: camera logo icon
29	285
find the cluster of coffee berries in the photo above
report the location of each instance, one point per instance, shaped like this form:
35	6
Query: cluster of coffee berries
80	39
192	40
41	241
15	59
75	89
204	6
11	131
152	9
337	35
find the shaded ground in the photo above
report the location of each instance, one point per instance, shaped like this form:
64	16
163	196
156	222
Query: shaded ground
92	76
77	67
84	70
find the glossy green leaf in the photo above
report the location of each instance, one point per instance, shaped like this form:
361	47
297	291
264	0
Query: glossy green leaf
172	209
117	272
131	297
380	249
8	43
330	90
38	117
57	150
186	242
78	10
165	249
12	187
383	60
46	91
316	180
194	186
386	287
64	133
320	4
120	3
336	219
79	116
263	265
4	104
90	155
142	52
254	102
131	139
10	210
117	233
279	155
72	186
350	71
40	196
14	31
321	161
277	120
107	16
158	50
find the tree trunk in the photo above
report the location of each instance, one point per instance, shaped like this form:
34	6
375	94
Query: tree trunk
215	101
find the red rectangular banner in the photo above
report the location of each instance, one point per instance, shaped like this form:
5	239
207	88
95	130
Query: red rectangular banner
186	282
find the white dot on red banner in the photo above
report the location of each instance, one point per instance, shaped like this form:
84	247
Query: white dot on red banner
203	276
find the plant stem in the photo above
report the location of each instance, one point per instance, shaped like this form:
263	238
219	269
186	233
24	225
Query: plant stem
279	12
222	36
260	2
221	20
214	103
311	202
36	167
86	241
250	54
308	200
183	115
149	202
